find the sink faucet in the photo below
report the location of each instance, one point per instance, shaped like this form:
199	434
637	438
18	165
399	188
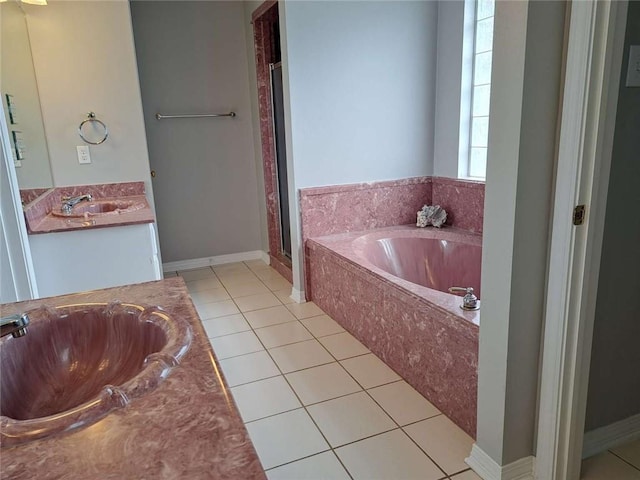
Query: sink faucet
14	325
69	202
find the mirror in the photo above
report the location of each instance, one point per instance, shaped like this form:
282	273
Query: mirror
21	101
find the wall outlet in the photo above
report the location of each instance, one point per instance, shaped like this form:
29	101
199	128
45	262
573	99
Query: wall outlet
83	154
633	70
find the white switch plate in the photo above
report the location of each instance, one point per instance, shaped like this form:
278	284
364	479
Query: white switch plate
83	154
633	72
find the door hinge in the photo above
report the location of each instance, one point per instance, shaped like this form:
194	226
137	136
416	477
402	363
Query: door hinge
578	215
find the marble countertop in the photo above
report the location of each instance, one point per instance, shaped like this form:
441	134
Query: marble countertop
188	428
40	219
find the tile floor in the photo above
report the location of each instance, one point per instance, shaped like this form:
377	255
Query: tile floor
317	403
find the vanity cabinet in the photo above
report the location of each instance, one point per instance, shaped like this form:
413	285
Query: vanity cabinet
80	260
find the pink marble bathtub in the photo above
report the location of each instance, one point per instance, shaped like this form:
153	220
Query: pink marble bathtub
388	287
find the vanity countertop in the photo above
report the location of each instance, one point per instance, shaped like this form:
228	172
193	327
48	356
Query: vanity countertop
40	219
188	428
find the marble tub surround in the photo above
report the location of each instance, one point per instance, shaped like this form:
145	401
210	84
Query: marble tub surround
362	206
421	333
40	215
188	427
462	199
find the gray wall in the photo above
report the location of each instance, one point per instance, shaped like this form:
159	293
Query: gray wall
362	90
76	76
525	98
192	57
448	88
249	8
614	380
359	82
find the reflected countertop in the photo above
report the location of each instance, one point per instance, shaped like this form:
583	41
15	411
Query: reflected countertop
187	428
40	219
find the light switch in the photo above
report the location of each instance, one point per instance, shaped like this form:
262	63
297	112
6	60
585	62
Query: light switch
83	154
633	72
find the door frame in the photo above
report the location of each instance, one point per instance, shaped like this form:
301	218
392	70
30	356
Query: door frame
263	18
594	57
13	228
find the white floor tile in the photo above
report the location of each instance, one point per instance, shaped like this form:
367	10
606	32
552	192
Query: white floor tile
301	355
276	283
229	280
388	456
403	403
347	419
257	302
322	325
324	466
236	344
230	268
286	437
629	452
204	284
322	383
216	327
197	274
209	296
284	296
305	310
256	264
606	466
248	368
217	309
269	316
369	371
268	274
468	475
251	287
264	398
343	345
283	334
446	443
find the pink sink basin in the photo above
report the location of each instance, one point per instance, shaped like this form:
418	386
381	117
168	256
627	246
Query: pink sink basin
79	362
99	208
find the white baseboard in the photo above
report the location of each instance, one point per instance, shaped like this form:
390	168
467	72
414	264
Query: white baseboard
217	260
488	469
266	258
604	438
298	295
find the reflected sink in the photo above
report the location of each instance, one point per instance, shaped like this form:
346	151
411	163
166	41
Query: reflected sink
100	207
79	362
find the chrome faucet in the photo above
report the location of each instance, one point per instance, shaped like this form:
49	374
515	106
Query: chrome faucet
469	301
14	325
69	202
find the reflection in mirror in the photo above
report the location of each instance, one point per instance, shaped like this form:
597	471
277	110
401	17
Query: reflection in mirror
21	101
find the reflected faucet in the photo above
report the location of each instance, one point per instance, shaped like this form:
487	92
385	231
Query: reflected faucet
14	325
69	202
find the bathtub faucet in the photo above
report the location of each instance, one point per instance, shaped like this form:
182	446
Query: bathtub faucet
469	301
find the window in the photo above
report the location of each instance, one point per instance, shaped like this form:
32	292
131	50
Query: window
480	87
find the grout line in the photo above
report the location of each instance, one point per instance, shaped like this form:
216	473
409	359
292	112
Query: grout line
623	459
303	406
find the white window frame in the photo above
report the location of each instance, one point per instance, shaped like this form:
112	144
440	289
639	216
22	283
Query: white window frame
467	86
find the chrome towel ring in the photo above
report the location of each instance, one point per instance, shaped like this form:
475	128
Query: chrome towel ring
91	119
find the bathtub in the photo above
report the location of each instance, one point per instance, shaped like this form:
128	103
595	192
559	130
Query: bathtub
389	288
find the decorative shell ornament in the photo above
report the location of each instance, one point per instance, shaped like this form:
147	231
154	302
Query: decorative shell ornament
431	215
